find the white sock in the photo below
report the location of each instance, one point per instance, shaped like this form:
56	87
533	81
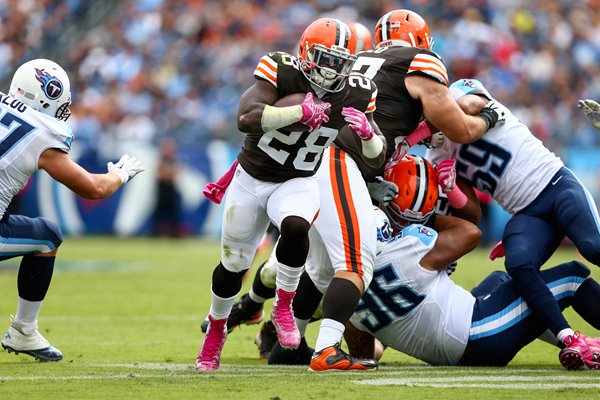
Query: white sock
562	335
287	277
330	333
302	324
256	298
27	311
549	337
220	307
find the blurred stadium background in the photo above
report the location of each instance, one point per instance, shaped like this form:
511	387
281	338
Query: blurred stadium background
161	80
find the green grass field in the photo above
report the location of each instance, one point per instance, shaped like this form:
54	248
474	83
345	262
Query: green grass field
126	314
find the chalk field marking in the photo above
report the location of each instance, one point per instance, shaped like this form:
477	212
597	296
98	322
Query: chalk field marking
411	376
534	384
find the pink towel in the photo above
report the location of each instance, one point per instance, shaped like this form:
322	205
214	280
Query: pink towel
214	191
497	251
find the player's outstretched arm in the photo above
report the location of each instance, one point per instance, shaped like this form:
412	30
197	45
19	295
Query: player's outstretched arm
443	112
87	185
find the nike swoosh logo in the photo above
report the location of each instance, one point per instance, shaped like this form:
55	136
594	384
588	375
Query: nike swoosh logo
487	297
556	181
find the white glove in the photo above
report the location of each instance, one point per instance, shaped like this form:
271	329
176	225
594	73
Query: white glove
591	109
127	167
382	191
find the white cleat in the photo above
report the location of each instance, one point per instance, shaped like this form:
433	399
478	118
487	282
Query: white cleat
22	338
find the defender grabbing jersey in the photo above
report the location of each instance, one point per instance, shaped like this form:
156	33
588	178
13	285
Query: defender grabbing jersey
279	155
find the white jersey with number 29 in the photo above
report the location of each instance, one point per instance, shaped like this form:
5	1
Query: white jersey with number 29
24	134
508	162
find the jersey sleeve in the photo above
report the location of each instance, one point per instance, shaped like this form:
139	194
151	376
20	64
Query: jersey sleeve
267	68
421	240
429	64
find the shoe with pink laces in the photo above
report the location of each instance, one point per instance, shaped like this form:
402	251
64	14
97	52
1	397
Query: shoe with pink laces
594	345
282	317
577	353
209	358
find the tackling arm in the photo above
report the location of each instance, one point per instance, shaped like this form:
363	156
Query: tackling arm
442	111
456	237
87	185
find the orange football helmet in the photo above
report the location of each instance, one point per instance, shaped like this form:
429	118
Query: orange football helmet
404	28
417	191
361	38
324	53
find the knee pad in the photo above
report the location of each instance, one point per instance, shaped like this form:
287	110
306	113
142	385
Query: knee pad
294	227
237	257
52	231
518	257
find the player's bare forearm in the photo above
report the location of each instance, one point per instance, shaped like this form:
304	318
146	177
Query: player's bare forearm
456	237
443	113
89	186
360	344
252	105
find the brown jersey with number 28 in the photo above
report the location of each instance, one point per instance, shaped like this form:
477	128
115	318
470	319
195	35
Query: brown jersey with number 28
280	155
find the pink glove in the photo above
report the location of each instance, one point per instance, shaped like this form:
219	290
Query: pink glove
313	114
358	122
214	191
497	251
446	172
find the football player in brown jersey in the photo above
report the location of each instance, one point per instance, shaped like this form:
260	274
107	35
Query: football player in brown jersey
275	179
413	84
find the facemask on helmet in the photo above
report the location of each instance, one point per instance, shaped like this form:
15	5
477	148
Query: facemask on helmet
417	191
324	54
44	86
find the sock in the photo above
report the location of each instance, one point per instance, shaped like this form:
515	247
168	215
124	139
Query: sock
562	335
27	311
307	298
220	307
585	302
256	298
330	333
225	283
287	277
33	279
340	300
263	285
549	337
302	325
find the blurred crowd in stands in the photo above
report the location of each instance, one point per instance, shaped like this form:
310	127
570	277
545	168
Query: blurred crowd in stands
176	68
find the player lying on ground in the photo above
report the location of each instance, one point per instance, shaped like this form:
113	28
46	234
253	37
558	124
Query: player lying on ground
34	135
414	307
546	200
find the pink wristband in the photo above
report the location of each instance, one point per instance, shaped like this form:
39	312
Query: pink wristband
456	198
422	132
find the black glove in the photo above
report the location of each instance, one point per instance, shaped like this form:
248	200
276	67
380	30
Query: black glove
492	114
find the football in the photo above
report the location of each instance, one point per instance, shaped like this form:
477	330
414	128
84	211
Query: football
293	100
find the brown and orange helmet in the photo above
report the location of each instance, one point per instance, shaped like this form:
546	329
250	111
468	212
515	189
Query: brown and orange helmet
324	53
404	28
417	191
